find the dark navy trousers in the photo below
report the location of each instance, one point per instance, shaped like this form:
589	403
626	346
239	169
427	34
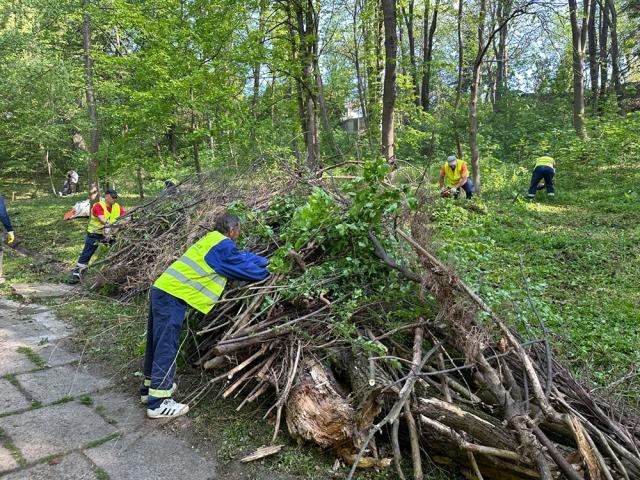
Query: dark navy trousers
540	172
91	243
166	316
468	188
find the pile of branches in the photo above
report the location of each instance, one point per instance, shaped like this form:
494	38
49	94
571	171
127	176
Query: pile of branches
397	358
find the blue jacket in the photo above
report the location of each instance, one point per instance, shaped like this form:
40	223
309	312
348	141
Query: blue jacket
228	261
4	216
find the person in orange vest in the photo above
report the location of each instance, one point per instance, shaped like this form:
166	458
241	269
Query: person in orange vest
103	215
454	176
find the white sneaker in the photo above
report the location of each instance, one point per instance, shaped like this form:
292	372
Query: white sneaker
168	408
144	399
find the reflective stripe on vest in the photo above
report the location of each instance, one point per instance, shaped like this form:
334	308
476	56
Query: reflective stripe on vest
191	279
452	177
94	224
544	161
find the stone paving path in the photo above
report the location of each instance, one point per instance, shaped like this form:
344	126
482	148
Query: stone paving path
60	421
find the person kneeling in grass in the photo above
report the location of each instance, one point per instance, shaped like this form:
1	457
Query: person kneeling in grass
196	279
454	176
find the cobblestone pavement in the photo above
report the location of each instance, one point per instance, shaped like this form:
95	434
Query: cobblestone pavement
60	421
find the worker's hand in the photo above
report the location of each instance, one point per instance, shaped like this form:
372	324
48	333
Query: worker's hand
454	190
443	189
11	237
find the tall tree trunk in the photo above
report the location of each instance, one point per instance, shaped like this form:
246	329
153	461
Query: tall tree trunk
257	65
293	42
604	55
408	20
324	113
373	43
140	181
212	142
306	25
504	11
615	55
362	94
173	140
389	92
460	68
428	35
47	162
593	56
473	100
196	141
319	85
579	41
92	110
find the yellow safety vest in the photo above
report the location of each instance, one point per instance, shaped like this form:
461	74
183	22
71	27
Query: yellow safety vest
191	279
94	224
452	177
544	161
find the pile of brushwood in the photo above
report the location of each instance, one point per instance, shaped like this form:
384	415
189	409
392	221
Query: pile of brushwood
365	343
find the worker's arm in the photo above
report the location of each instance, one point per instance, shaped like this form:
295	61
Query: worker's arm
226	260
464	175
4	216
257	259
463	180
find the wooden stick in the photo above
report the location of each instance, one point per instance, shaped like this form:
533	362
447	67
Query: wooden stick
464	445
508	334
285	392
241	380
414	442
395	444
474	465
403	396
261	453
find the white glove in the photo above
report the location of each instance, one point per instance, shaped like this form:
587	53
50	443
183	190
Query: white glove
454	190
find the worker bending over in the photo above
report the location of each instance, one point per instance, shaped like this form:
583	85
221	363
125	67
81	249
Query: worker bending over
103	215
196	279
454	176
6	222
544	169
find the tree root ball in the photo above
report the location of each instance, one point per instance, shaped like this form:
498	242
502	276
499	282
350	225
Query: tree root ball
317	413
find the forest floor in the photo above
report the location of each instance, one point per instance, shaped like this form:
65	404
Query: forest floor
578	252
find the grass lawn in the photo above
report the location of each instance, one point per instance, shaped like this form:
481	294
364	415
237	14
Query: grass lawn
578	251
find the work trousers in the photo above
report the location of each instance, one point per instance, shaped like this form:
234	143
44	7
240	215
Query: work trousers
166	316
468	188
91	242
539	173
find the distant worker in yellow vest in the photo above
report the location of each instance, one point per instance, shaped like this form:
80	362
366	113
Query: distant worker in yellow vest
103	215
544	169
196	279
454	176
